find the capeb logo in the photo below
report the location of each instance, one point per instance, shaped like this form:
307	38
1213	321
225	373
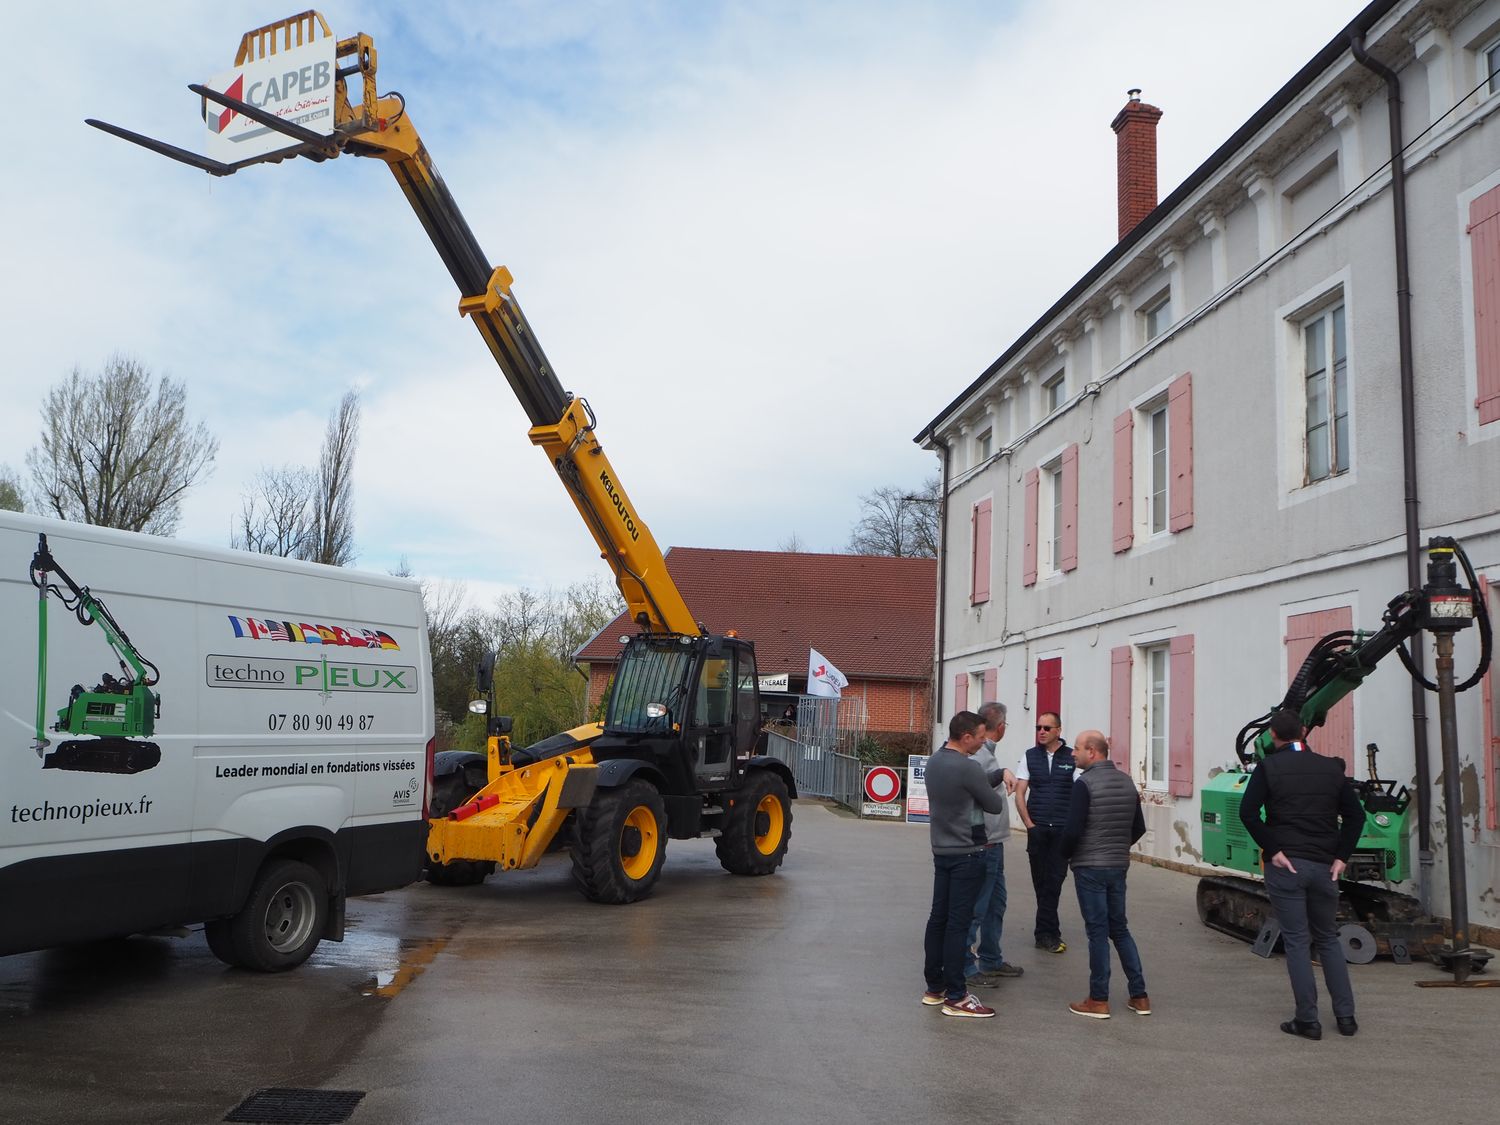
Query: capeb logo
300	632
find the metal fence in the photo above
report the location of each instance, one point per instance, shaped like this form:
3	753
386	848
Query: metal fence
820	771
831	724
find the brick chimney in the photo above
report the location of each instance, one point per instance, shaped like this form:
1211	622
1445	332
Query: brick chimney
1135	154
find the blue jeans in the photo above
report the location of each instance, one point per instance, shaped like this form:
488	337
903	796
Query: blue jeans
1101	901
989	915
955	884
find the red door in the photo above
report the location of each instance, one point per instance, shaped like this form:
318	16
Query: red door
1049	686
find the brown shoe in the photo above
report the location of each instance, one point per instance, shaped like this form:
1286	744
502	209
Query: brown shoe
1141	1005
1094	1009
968	1006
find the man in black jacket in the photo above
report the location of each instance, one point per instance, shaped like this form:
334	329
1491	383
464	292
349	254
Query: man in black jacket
1313	820
1044	787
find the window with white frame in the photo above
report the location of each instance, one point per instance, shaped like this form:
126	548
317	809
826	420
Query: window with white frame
1053	392
1156	314
1156	496
984	445
1049	519
1326	380
1490	59
1156	663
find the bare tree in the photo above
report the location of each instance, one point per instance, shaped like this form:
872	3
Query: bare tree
10	491
896	522
333	509
114	454
276	516
792	545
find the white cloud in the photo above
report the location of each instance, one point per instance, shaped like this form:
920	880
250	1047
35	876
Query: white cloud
768	243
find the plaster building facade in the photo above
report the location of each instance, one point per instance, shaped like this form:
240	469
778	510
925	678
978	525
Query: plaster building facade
1191	466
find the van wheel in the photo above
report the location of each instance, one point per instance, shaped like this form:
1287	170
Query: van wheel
620	843
757	828
220	944
447	794
283	919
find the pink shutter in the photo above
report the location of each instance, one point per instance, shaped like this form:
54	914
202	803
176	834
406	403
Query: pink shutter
1180	717
1180	452
1070	508
1484	248
960	692
1049	685
991	684
1303	630
1124	487
980	578
1119	707
1028	548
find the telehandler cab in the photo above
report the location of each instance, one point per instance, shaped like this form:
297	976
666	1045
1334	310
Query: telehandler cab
673	756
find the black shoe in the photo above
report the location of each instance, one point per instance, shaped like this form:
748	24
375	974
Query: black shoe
1347	1026
1312	1030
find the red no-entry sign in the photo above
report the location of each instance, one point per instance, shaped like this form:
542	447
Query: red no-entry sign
882	784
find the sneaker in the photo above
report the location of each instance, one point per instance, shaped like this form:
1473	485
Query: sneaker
1141	1005
968	1006
1094	1009
1052	945
991	978
933	999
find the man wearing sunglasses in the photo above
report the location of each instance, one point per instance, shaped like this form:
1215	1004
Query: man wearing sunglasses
1044	790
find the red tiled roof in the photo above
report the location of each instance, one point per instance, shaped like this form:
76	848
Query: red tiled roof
871	616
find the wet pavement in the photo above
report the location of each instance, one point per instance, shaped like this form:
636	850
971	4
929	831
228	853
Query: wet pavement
785	999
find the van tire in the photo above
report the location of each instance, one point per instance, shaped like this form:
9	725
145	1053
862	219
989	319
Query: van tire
220	943
447	794
620	843
283	919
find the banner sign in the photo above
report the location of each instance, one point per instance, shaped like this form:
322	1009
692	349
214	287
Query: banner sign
776	683
917	811
296	85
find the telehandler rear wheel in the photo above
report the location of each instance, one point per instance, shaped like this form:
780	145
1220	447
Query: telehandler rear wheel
757	828
619	843
447	794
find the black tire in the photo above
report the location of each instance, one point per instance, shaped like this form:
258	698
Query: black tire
620	843
220	944
447	794
757	826
282	921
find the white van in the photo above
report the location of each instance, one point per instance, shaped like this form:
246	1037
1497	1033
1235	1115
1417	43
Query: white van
200	735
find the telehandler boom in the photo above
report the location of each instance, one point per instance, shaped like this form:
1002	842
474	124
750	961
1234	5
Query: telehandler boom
673	754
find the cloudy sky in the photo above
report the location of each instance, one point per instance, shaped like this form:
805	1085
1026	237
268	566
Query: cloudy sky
767	240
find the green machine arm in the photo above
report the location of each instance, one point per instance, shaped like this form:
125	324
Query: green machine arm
118	709
1340	661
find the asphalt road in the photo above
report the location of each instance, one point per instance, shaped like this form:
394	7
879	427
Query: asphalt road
721	999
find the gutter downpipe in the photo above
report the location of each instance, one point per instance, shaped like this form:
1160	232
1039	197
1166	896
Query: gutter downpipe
942	609
1409	461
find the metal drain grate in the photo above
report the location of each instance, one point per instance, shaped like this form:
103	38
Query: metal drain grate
283	1106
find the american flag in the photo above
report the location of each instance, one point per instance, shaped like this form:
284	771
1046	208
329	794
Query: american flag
277	631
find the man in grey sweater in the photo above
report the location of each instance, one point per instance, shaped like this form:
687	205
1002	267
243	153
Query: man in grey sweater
956	784
1104	821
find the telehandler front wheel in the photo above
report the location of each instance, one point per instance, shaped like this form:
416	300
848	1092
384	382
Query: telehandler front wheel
447	794
757	827
619	843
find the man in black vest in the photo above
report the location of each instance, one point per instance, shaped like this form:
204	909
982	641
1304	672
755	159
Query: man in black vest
1313	820
1044	787
1104	821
